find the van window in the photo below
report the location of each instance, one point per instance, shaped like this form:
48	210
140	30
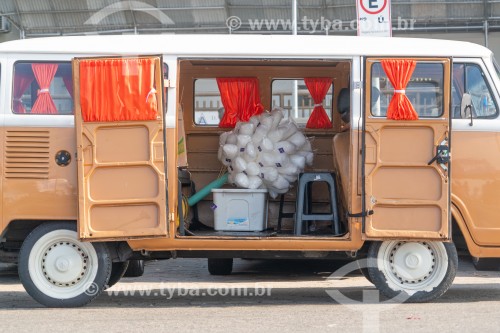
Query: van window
425	90
469	78
299	111
42	88
208	108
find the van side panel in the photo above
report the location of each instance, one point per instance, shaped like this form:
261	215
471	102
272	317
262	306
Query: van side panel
34	187
476	182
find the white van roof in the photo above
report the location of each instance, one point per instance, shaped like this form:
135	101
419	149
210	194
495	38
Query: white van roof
245	46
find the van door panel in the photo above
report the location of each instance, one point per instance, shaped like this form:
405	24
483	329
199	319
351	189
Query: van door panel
404	196
121	171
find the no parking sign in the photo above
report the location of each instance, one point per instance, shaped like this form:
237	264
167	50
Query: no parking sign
374	18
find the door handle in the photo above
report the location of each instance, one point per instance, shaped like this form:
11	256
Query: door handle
442	156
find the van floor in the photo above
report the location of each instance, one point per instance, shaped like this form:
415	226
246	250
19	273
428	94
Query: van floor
260	234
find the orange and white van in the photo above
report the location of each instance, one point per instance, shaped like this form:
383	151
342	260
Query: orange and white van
102	135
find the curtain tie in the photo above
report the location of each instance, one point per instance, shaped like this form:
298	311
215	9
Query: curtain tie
43	91
400	91
151	92
319	104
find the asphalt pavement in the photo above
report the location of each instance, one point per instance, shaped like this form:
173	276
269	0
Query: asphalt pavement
261	295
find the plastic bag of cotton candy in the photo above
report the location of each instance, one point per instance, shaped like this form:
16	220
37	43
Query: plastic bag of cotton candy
268	151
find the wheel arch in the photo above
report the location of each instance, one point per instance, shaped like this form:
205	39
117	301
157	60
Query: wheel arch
17	230
460	230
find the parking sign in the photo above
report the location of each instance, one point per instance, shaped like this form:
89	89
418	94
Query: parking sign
374	18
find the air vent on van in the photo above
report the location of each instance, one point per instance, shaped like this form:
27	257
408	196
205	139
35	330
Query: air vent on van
27	154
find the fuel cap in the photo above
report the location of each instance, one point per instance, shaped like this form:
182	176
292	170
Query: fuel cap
63	158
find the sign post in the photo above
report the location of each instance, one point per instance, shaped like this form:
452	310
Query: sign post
374	18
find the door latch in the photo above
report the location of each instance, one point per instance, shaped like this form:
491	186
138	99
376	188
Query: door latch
442	156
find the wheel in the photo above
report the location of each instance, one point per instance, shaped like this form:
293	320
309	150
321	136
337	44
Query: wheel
412	271
365	273
220	266
118	269
486	264
58	270
135	268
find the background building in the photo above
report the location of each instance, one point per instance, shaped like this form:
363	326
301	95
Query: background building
477	21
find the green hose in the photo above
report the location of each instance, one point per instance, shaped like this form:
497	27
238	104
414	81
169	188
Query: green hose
193	200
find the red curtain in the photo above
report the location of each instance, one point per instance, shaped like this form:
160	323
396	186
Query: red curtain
118	90
44	73
318	88
21	83
399	72
241	99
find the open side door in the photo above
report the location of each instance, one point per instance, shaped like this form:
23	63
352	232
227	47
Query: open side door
406	169
120	147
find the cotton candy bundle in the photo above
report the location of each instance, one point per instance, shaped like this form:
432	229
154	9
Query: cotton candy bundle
285	147
253	169
265	145
241	180
268	151
247	129
242	141
238	165
254	182
230	151
250	152
268	174
260	133
232	138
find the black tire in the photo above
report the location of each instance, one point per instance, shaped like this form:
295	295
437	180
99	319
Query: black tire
118	269
39	259
135	268
364	271
433	284
220	266
486	264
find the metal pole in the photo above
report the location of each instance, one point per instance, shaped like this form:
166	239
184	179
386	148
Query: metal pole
294	17
295	91
486	14
486	33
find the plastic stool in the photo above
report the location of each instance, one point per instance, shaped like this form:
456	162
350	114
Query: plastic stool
282	215
304	202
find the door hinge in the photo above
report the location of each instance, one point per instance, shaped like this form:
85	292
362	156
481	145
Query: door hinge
356	85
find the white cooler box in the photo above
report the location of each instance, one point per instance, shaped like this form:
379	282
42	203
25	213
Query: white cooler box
240	209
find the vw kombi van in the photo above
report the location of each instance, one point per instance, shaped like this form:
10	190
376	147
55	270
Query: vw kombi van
104	137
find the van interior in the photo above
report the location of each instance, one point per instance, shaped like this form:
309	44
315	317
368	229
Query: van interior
281	85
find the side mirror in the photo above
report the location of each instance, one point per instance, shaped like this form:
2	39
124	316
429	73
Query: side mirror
466	107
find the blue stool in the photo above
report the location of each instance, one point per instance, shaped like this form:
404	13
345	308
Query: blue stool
303	212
